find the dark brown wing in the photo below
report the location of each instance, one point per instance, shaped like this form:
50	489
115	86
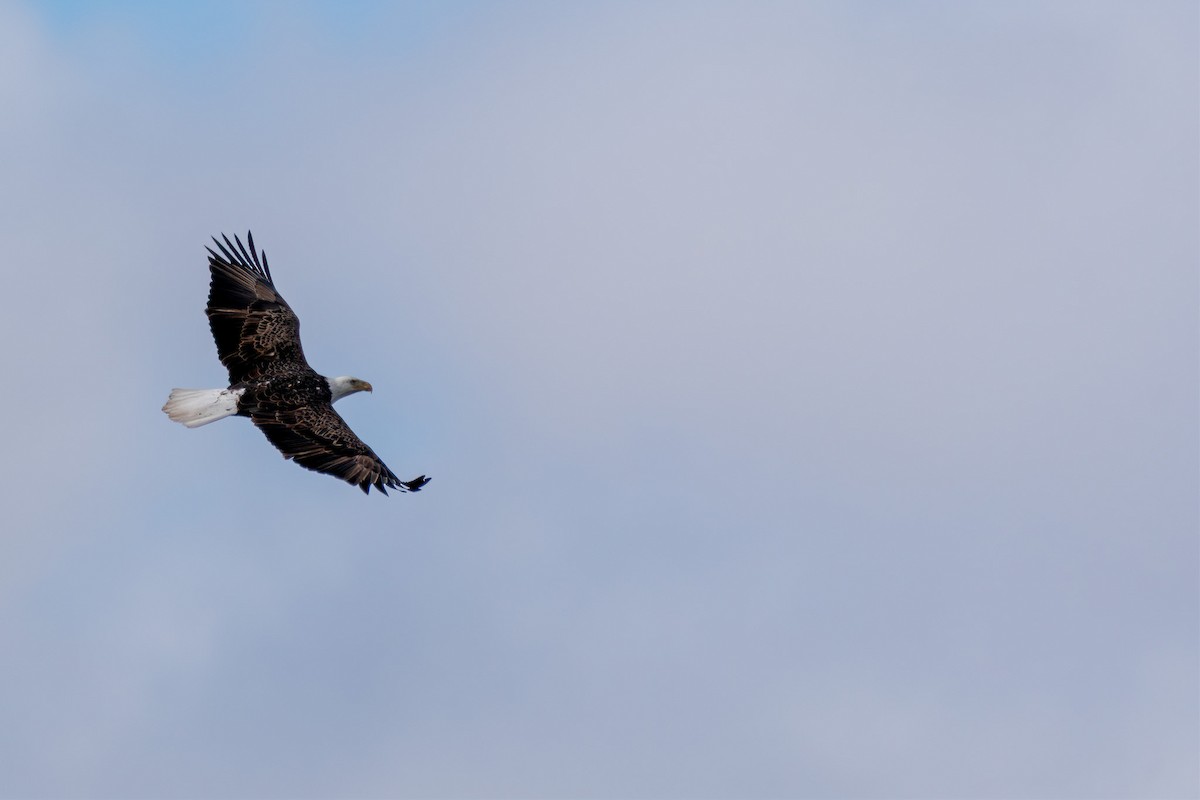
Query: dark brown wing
317	438
251	323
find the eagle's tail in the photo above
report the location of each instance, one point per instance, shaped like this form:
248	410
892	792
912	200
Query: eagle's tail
196	407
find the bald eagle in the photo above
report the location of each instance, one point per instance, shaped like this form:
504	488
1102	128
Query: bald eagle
258	340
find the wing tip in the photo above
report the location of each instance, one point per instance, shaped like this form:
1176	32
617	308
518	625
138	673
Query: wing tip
235	254
416	484
382	484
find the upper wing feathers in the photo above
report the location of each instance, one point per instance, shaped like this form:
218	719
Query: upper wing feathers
251	323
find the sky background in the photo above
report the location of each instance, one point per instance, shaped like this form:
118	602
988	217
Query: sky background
809	389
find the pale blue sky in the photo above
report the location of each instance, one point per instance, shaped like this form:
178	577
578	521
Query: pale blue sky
810	392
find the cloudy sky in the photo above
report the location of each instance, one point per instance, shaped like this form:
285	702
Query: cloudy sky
809	390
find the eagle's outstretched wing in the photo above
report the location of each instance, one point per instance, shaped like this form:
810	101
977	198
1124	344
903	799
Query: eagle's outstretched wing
317	438
251	323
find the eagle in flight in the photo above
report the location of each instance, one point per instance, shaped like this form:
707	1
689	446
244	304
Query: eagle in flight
258	340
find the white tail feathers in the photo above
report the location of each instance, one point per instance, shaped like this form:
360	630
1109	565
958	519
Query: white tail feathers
196	407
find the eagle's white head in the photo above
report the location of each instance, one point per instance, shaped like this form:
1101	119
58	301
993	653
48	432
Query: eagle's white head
344	385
